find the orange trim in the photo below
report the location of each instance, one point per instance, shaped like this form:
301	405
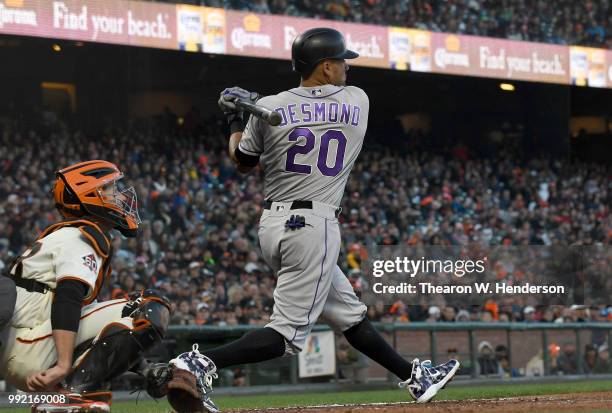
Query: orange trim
114	323
104	396
94	293
75	223
94	242
25	341
102	308
140	324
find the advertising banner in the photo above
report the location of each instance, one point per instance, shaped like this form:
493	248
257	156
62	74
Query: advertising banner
409	49
257	35
588	66
200	29
110	21
250	34
319	355
215	30
22	17
609	67
503	59
371	42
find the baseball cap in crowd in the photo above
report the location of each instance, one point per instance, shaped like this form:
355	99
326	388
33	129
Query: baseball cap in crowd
434	310
462	315
251	267
484	344
528	310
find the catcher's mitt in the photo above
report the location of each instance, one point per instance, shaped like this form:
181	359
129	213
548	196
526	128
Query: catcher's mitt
183	393
191	383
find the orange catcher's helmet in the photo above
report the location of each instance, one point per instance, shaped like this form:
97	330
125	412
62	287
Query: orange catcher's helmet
91	189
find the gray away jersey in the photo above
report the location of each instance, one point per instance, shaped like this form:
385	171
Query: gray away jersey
309	156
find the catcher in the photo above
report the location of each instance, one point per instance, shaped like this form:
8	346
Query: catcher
59	337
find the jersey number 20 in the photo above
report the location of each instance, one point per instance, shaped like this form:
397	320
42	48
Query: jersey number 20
309	145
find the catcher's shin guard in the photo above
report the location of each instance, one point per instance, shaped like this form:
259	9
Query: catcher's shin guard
118	347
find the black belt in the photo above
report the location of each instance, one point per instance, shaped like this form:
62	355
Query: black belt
32	286
298	205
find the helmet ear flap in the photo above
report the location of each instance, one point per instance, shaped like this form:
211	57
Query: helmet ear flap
66	200
69	196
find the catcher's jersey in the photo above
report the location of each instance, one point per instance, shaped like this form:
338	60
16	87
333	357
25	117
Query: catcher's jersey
61	254
309	156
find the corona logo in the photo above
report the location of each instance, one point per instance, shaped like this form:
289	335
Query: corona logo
452	43
251	23
13	3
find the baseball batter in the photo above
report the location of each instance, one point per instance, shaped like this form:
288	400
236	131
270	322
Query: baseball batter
57	325
306	162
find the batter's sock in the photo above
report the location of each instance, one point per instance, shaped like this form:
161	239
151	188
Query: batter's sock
366	339
255	346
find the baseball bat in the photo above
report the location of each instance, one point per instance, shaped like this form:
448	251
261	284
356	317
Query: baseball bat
271	116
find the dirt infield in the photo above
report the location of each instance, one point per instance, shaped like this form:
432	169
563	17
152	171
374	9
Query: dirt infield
577	402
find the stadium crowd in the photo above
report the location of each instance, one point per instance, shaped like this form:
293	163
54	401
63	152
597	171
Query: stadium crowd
198	240
576	22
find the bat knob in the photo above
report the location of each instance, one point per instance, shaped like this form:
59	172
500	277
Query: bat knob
275	118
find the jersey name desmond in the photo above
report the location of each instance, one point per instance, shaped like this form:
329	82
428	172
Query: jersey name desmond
319	112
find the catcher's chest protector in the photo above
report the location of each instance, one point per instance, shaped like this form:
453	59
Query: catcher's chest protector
98	238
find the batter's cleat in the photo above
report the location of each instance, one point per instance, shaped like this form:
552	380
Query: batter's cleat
209	405
205	371
76	403
426	380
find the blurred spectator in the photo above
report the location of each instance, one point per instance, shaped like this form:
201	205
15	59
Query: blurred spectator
348	361
535	365
580	313
466	368
434	314
603	366
487	363
529	314
567	362
503	358
589	362
239	377
448	314
462	316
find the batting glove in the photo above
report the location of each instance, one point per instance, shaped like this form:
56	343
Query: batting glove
235	116
229	95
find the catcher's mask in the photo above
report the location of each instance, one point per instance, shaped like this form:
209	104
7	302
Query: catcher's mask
93	189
